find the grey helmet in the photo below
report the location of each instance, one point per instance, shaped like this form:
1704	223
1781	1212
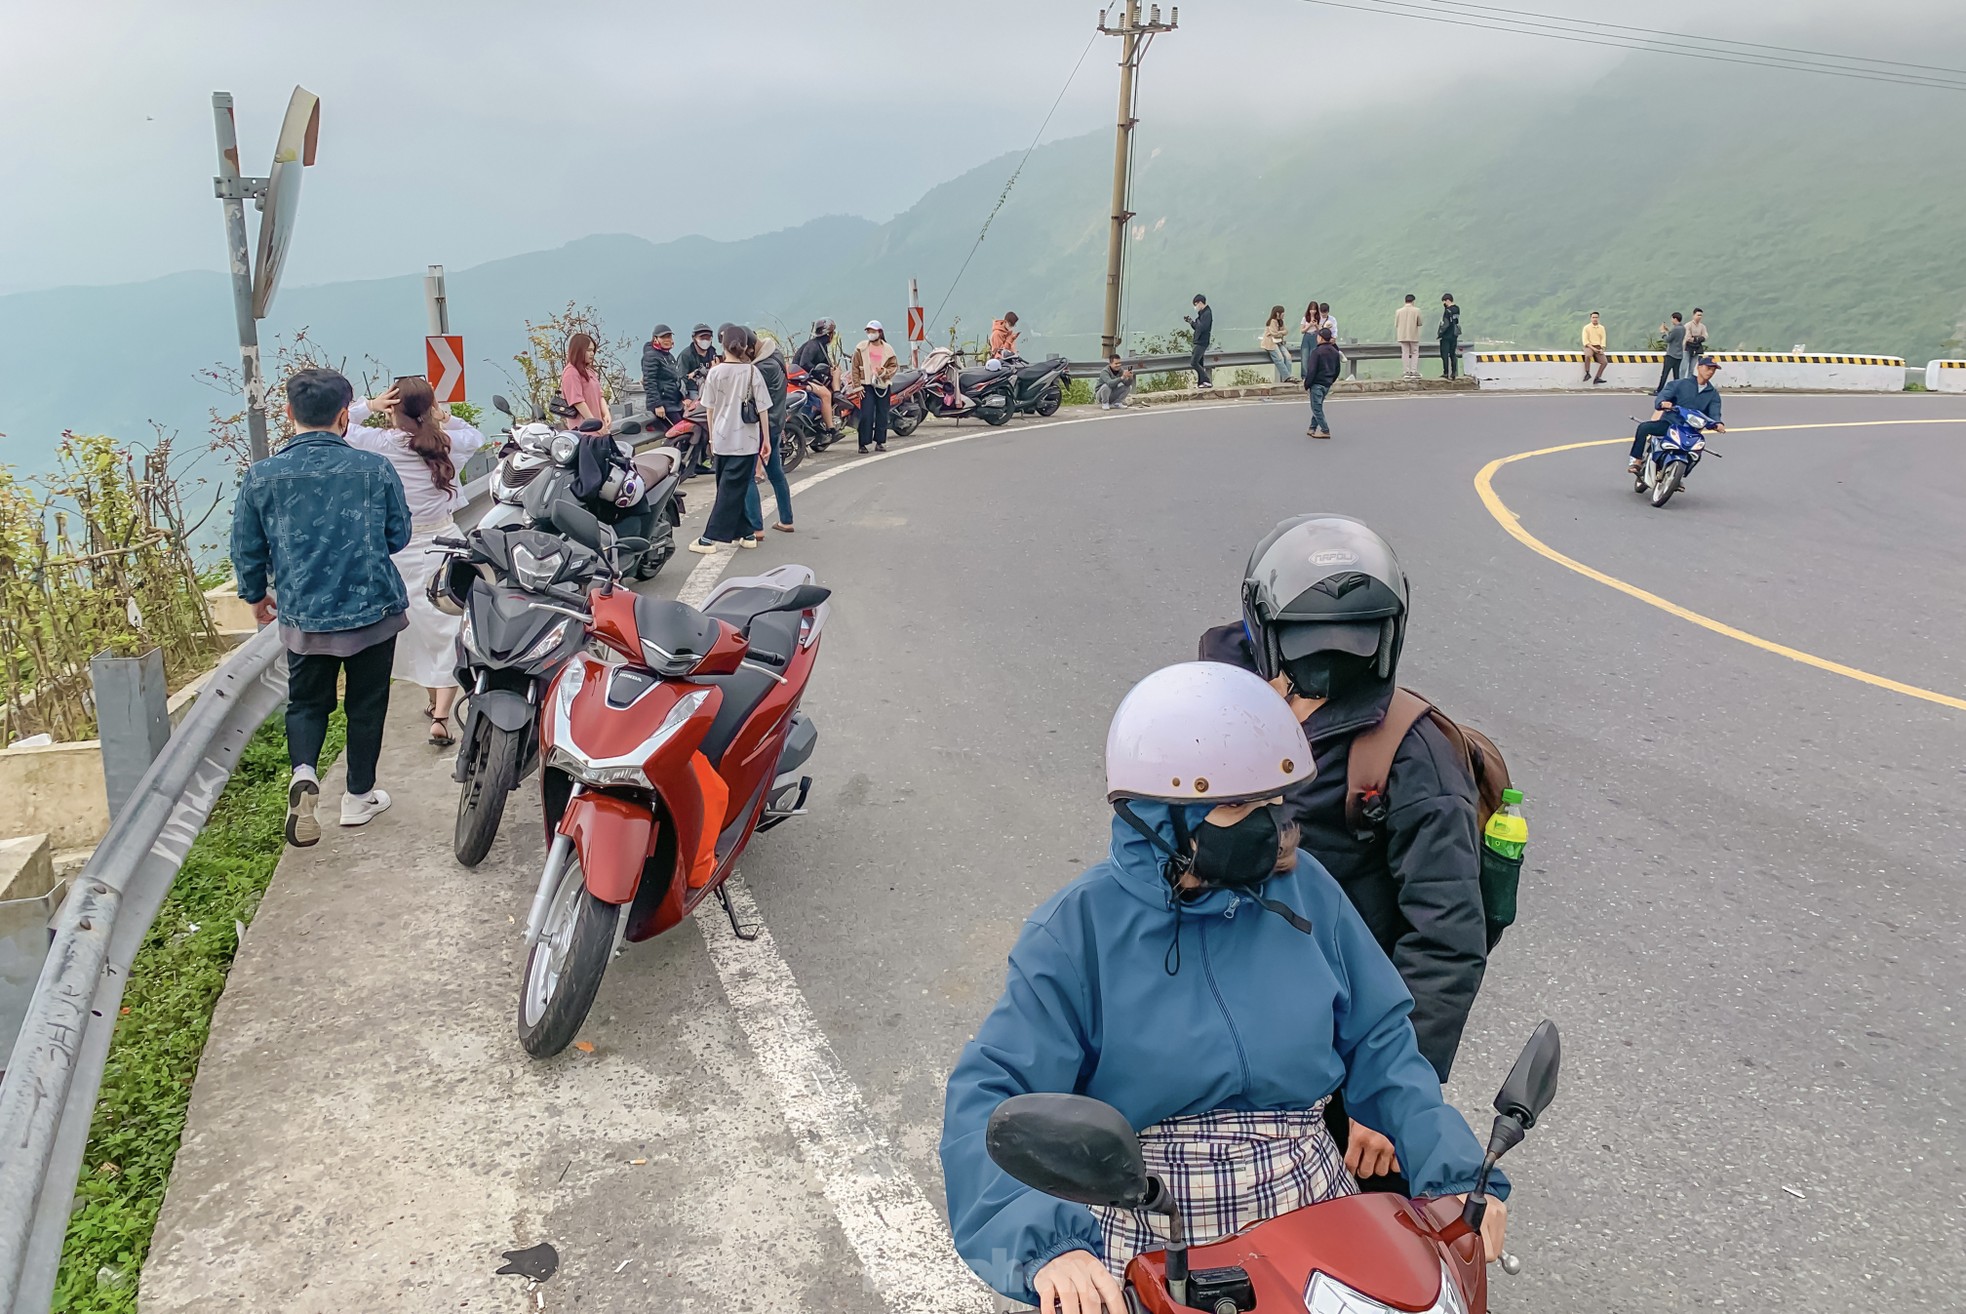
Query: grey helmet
1324	584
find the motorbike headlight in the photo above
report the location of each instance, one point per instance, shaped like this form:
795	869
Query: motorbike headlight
535	570
564	448
547	645
1327	1295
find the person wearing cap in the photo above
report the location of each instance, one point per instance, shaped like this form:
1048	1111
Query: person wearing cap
1694	394
1324	613
663	377
698	357
1211	982
873	367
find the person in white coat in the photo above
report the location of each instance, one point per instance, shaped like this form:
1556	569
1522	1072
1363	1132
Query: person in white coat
426	444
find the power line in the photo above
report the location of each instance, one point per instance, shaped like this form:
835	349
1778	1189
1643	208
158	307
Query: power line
1655	35
1004	195
1405	9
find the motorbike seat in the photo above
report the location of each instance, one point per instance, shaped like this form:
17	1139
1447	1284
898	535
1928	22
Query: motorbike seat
974	379
905	379
1032	373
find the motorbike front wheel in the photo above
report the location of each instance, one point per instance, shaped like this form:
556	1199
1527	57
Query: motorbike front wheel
1667	483
994	410
564	969
493	769
1053	398
791	446
907	417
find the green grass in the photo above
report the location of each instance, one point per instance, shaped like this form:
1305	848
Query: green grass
1077	392
166	1015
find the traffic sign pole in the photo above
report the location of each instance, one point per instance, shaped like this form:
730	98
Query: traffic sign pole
233	189
436	302
917	330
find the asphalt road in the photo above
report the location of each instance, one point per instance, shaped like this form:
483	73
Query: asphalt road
1743	904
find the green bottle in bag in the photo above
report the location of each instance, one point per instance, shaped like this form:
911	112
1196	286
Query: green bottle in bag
1507	832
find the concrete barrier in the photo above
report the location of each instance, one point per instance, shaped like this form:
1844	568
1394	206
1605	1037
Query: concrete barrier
1945	376
1738	369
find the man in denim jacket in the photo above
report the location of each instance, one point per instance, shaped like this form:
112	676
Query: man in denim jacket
325	518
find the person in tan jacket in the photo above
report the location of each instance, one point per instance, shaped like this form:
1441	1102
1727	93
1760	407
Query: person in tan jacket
872	368
1274	335
1594	349
1406	332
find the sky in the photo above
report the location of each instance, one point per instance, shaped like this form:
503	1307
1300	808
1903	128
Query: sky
457	132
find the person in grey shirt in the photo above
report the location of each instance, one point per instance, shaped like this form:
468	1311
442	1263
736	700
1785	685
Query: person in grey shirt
1675	336
1111	386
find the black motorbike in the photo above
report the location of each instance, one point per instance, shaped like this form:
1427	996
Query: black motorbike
522	593
1039	389
638	496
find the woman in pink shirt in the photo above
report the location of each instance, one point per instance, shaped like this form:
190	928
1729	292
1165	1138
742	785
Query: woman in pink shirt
580	382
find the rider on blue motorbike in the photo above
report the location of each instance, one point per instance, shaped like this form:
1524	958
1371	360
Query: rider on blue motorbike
1694	394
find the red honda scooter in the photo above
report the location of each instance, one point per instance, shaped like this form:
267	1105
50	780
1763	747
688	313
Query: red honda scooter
1353	1255
659	767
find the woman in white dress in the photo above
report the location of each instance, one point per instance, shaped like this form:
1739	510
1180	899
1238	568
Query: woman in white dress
426	444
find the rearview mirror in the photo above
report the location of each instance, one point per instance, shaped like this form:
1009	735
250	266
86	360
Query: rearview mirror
501	405
1069	1146
1531	1083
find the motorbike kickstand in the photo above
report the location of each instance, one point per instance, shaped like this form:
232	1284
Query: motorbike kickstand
730	911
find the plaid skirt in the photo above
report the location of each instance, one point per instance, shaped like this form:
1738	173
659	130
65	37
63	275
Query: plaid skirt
1229	1171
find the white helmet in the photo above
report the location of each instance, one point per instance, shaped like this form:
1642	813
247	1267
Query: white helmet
1204	732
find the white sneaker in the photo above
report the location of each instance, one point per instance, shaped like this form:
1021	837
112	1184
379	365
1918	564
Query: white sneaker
303	829
361	809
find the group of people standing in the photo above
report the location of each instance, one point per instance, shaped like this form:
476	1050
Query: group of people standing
1409	323
1684	340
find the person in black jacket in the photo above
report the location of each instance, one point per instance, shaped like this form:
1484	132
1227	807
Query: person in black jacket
815	357
1449	334
698	357
1324	619
662	376
1320	376
771	364
1203	323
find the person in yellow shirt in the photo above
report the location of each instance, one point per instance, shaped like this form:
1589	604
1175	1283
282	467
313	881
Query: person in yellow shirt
1594	350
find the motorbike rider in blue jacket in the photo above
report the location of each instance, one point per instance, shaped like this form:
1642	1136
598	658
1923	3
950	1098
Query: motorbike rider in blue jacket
1694	394
1210	981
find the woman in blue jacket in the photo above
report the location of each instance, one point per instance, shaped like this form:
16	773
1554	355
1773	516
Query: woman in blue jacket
1212	983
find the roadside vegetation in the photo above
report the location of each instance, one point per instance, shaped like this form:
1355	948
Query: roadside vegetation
160	1034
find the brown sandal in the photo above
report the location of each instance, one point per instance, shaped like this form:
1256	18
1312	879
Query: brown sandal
440	733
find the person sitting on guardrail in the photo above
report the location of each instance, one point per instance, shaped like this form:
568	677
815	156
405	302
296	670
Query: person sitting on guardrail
323	519
1694	394
1003	336
1594	349
1274	336
1112	384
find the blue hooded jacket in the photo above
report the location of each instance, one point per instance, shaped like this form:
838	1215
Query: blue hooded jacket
1256	1015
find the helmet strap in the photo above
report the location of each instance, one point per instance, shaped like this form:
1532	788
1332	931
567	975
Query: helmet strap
1179	860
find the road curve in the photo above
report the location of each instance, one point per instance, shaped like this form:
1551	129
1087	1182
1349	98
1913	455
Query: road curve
1742	906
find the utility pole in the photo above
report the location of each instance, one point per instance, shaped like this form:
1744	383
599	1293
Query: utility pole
436	302
1135	36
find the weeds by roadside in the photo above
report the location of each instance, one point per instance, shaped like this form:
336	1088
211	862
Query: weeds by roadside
167	1012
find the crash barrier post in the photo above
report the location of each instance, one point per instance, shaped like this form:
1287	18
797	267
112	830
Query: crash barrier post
48	1095
1945	376
1640	370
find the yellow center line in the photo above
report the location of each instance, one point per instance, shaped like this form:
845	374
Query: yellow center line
1507	519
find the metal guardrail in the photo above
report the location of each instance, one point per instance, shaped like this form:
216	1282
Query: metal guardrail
1354	352
48	1096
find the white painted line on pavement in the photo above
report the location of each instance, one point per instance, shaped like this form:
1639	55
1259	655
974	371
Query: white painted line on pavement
898	1235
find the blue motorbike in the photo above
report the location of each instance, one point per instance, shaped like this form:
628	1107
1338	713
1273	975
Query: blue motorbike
1670	457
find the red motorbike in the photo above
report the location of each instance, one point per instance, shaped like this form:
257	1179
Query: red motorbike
907	407
1358	1254
660	765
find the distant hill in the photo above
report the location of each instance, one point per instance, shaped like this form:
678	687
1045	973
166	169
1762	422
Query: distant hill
1807	210
110	359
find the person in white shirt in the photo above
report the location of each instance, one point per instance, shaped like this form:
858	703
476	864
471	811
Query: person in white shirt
738	443
426	444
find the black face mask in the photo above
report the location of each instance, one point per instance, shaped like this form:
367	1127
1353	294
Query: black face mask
1327	674
1244	855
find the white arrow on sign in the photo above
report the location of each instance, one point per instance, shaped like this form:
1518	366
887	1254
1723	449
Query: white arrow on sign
443	356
